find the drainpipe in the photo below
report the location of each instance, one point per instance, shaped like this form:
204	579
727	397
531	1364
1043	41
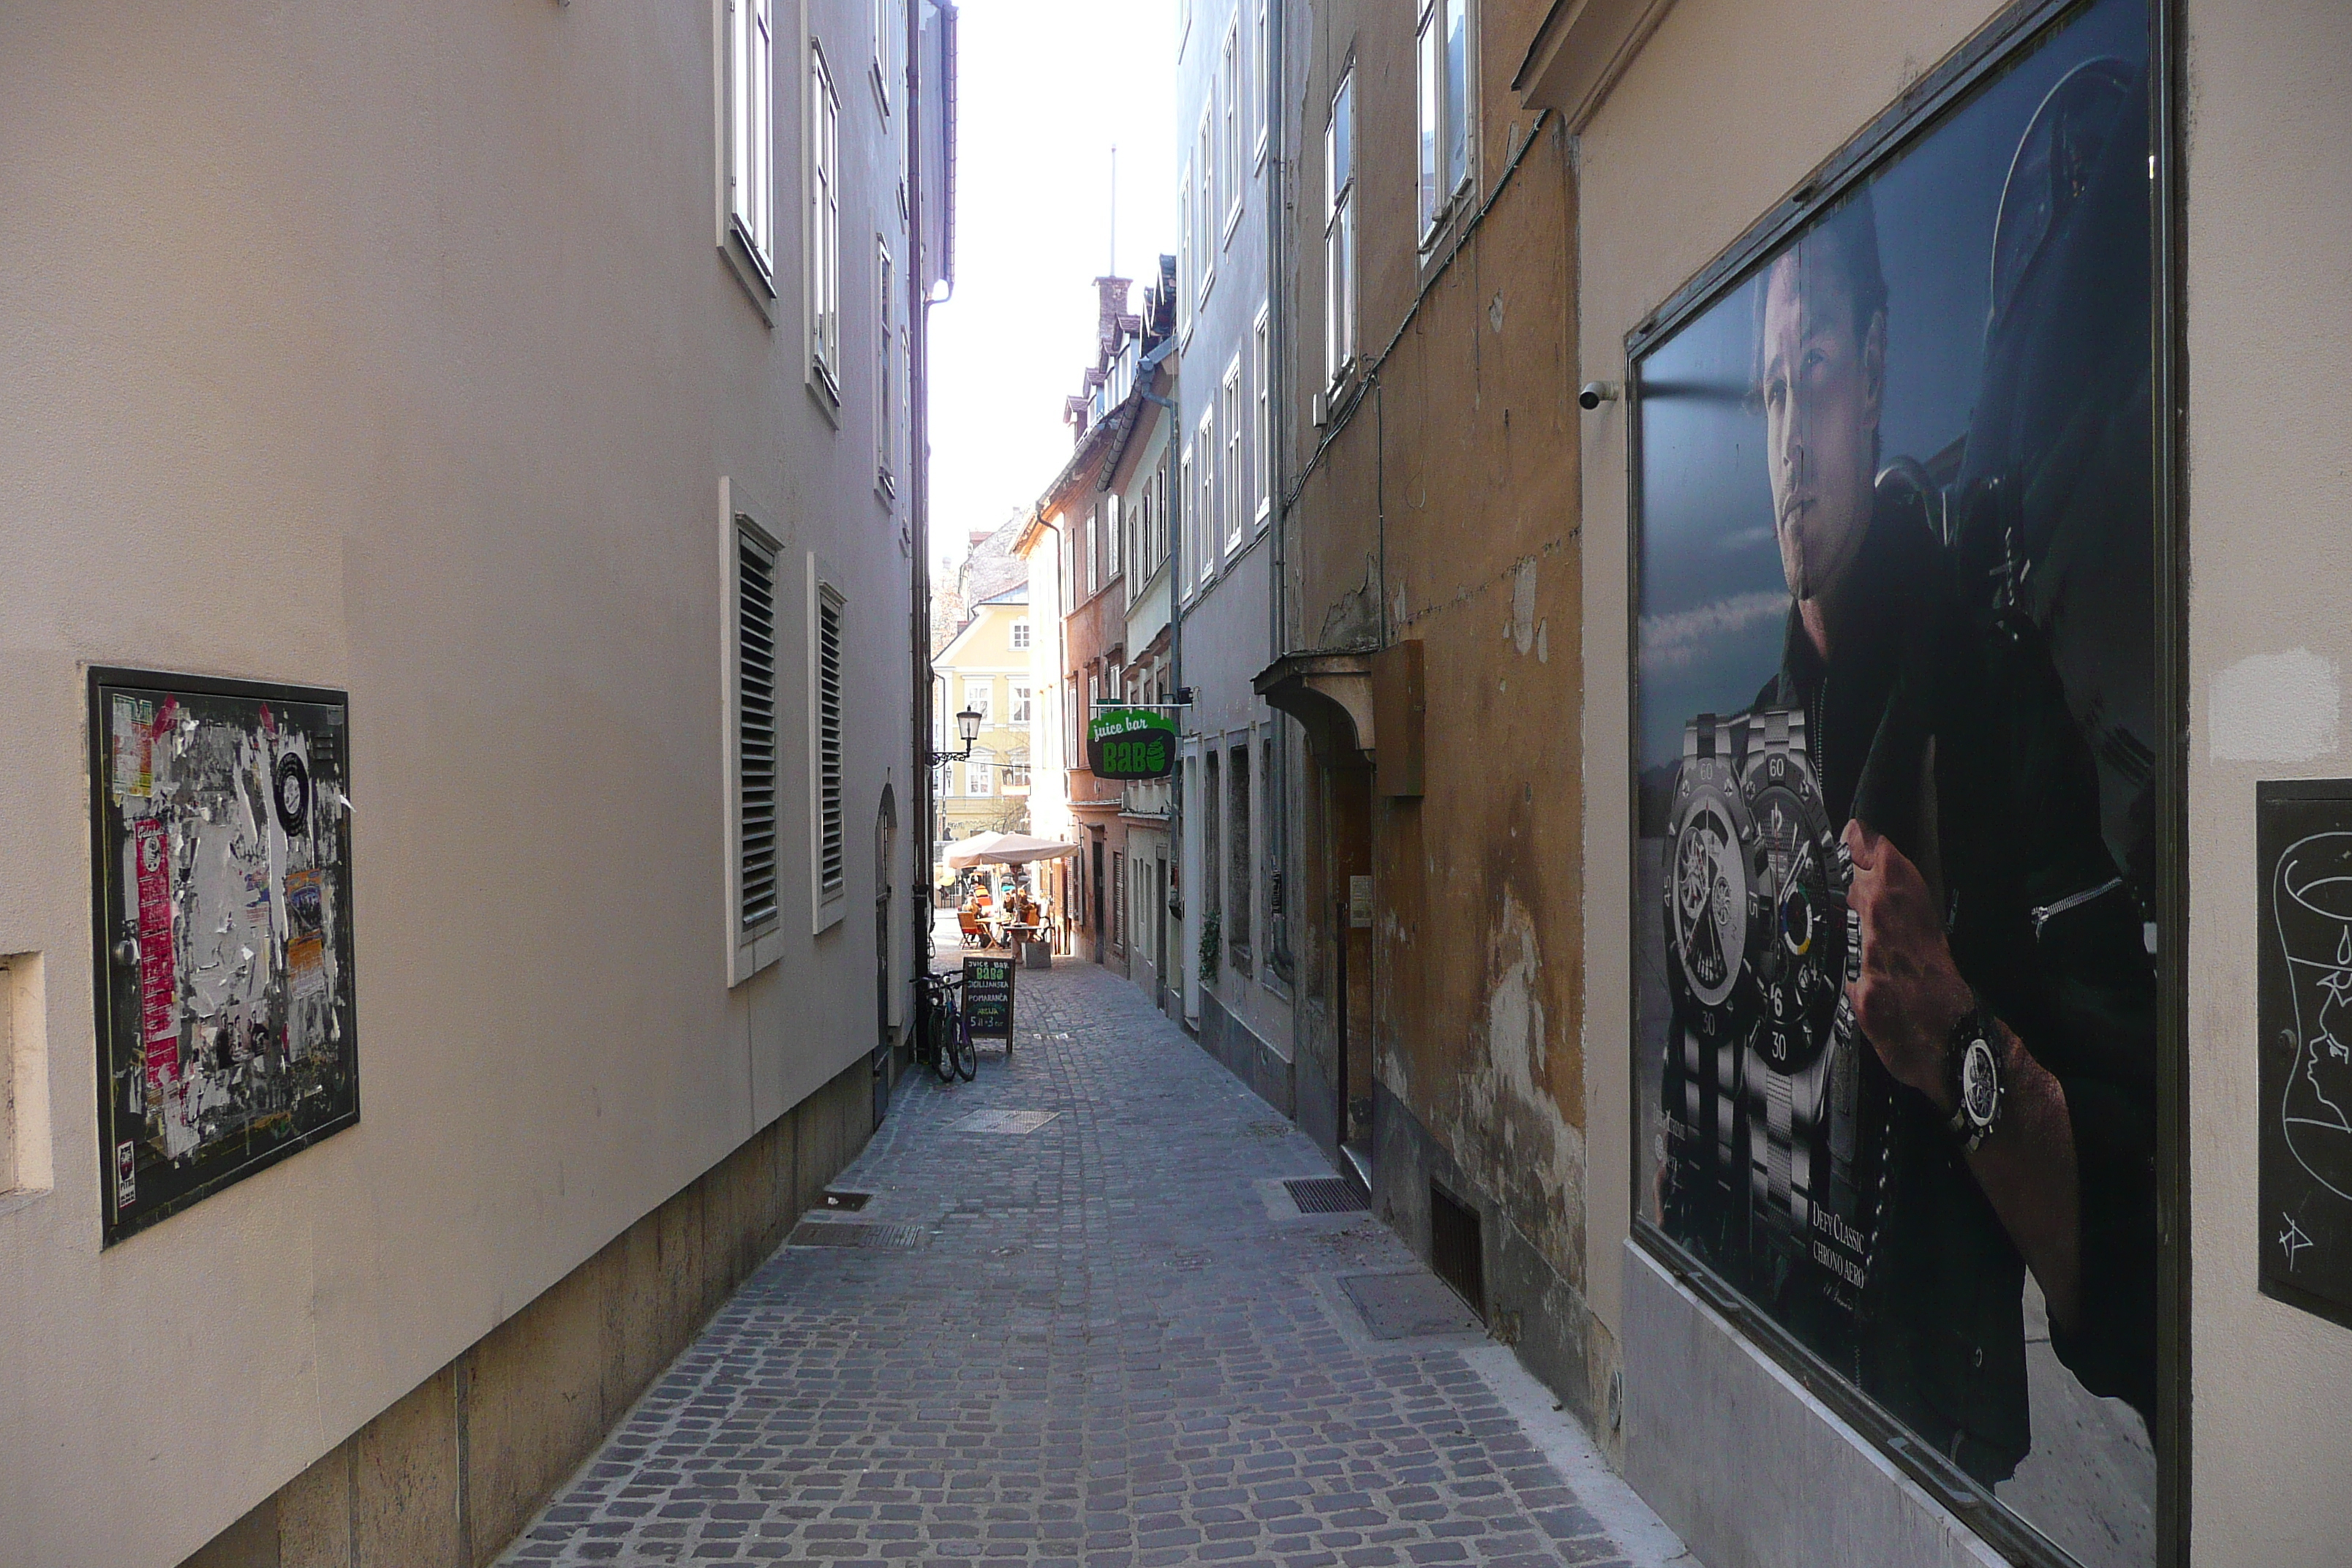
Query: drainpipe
919	491
1277	424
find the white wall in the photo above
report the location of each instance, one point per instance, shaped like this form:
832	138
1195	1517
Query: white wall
388	348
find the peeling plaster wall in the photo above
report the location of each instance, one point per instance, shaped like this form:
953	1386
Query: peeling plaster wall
1445	510
390	348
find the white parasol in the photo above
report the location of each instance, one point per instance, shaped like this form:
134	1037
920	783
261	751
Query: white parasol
1004	849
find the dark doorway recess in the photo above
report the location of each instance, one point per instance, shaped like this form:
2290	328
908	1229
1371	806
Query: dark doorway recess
1455	1253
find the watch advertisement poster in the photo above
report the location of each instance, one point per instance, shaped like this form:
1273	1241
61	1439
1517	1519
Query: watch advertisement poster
1895	740
226	1037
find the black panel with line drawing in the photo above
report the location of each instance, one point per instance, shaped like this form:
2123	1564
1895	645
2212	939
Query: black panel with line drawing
2303	838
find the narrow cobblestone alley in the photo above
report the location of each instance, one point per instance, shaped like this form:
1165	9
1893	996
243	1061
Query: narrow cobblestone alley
1109	1339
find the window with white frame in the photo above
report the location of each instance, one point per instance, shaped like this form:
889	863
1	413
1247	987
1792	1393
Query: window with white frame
1339	231
1114	536
976	693
1184	531
1230	402
886	382
757	905
889	33
1442	53
1229	160
979	772
1262	411
824	226
1020	633
1258	57
829	864
1188	263
751	131
1021	705
1206	503
1204	161
1016	778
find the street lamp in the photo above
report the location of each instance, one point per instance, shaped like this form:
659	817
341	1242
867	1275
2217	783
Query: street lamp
967	726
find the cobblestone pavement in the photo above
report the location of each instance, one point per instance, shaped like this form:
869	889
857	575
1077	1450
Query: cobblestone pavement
1112	1343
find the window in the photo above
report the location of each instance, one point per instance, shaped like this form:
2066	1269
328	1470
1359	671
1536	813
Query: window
828	862
1020	633
1212	882
1118	899
976	694
1016	778
885	401
1204	242
1114	532
1184	494
980	772
1188	263
1442	56
1262	413
750	131
824	227
1021	706
1230	411
1237	841
1258	57
888	37
757	910
1229	155
1339	232
1092	548
1074	752
1206	503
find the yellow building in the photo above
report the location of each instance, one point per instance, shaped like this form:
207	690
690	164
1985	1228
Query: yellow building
985	666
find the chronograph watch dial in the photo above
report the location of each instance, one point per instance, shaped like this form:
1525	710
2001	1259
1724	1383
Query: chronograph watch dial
1709	896
1799	907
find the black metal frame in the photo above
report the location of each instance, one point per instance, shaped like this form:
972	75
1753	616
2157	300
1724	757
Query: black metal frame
1909	118
100	679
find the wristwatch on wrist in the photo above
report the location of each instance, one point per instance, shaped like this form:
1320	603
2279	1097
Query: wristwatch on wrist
1979	1086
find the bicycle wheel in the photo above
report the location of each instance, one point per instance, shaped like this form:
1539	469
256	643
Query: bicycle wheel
943	1035
967	1056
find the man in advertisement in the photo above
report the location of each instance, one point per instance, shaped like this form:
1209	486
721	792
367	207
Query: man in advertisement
2001	1116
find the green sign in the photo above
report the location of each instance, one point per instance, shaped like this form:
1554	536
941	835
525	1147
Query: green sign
1131	743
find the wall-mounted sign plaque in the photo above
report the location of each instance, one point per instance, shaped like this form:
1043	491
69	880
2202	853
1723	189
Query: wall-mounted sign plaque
222	897
2303	838
1131	743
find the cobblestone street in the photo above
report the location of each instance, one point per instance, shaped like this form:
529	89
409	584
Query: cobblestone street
1110	1339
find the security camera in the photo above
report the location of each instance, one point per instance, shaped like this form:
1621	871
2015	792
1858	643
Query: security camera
1595	394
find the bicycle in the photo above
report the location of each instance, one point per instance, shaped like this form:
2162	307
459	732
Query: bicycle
945	1046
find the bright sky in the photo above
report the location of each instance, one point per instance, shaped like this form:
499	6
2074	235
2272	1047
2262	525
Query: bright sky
1047	89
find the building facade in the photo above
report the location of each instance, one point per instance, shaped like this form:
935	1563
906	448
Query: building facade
508	462
1751	363
1237	751
984	667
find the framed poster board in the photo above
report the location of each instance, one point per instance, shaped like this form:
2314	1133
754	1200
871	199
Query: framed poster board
2302	845
221	892
1901	777
988	998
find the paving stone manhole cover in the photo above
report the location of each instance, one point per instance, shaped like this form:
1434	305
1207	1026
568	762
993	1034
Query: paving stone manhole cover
1012	1121
1325	1195
1407	1306
856	1233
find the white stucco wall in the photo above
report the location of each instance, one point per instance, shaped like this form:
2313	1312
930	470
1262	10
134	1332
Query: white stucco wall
388	348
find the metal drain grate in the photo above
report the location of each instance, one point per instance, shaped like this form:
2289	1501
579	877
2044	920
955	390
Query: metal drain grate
1325	1195
847	1233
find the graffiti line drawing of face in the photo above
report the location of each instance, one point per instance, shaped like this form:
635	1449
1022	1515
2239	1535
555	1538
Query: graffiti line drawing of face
1822	376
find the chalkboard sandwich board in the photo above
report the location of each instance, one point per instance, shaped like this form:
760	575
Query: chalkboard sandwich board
987	999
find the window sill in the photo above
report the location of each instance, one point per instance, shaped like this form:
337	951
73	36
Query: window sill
824	392
745	266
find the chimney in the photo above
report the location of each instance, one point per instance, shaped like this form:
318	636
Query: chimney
981	536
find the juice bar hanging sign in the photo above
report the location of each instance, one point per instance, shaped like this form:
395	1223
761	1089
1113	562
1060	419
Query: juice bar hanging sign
1131	743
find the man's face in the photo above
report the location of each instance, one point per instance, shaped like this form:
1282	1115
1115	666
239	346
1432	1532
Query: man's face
1821	384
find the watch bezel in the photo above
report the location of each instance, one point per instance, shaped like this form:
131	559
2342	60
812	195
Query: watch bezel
1977	1075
